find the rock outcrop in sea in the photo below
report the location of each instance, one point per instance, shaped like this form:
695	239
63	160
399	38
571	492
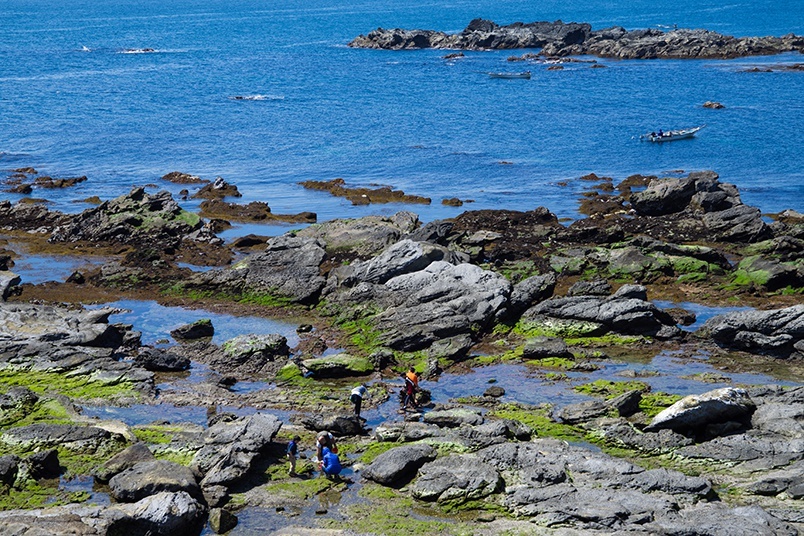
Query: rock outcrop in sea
574	39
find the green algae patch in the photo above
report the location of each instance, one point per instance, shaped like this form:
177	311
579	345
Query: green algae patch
301	488
538	419
374	450
653	403
79	387
561	363
555	327
610	389
609	339
32	495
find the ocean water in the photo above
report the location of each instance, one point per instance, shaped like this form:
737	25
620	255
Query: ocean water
73	102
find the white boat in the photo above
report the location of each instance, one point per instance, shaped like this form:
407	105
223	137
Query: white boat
524	74
671	135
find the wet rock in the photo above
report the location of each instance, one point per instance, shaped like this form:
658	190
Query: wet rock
162	514
159	360
51	522
398	466
627	403
197	330
714	105
230	448
177	177
767	273
123	460
364	237
338	366
252	351
456	478
544	347
254	212
337	425
221	521
694	412
772	332
150	477
288	270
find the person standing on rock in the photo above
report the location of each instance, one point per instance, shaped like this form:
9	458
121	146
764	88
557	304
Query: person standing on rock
411	378
410	393
356	397
293	450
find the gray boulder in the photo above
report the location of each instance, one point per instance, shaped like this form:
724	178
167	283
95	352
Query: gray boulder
230	448
693	413
599	287
531	291
365	236
163	514
151	477
288	269
199	329
338	425
70	436
397	466
544	347
789	480
160	360
123	460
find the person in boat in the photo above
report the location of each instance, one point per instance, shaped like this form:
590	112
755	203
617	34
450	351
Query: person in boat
661	134
356	397
330	464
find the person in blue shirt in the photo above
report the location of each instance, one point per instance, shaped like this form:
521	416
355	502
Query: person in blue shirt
292	452
331	464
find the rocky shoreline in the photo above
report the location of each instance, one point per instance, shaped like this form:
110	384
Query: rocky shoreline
559	39
375	296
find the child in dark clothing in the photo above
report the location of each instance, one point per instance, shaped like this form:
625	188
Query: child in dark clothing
293	450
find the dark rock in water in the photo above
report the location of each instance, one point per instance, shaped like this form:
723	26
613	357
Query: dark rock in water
772	332
692	413
256	211
159	360
197	330
43	464
221	521
494	392
364	196
150	477
574	39
178	177
397	466
713	105
217	190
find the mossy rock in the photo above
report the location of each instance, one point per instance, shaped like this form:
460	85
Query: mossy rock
761	272
557	327
338	366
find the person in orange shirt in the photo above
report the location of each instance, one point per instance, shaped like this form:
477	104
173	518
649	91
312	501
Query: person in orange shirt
413	378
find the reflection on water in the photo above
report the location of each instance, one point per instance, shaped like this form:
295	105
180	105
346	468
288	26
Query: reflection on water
702	312
36	269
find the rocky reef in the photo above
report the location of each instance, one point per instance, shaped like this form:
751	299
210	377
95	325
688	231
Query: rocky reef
572	39
376	296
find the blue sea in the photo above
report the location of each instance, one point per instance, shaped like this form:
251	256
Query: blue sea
74	101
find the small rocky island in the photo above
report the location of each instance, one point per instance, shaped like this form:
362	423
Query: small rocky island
376	296
573	39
